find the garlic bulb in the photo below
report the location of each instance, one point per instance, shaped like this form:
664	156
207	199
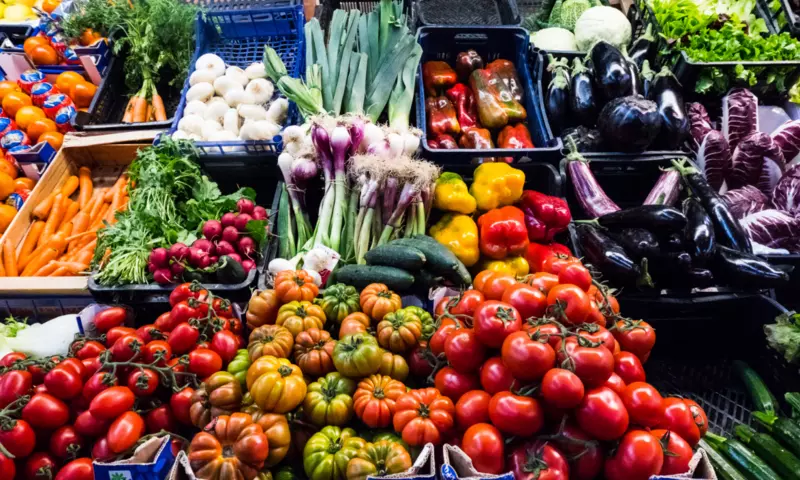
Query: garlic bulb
211	62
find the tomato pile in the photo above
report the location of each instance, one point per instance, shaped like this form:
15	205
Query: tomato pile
549	362
113	392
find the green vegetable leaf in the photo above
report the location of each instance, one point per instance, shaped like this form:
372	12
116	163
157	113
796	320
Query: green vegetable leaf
784	336
258	230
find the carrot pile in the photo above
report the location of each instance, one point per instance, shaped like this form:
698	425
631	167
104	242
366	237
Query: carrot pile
62	238
140	110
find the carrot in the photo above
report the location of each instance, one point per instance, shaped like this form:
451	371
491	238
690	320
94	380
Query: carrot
85	256
139	109
85	192
128	117
119	184
39	262
80	236
53	220
57	242
149	114
73	267
115	203
66	228
70	211
79	224
98	222
98	205
43	209
9	259
158	107
59	272
30	240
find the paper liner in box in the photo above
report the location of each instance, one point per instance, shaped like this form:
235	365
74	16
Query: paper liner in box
456	465
152	460
424	468
699	467
181	469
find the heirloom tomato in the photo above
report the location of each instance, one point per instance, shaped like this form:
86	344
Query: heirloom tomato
329	400
423	416
375	399
377	301
232	447
327	453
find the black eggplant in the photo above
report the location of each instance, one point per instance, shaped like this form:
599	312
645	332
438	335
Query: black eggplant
638	242
644	48
647	79
700	277
582	104
586	139
638	86
609	257
666	91
612	75
630	124
672	242
699	231
558	97
747	270
656	218
669	269
727	229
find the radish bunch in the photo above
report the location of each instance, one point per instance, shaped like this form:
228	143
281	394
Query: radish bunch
227	236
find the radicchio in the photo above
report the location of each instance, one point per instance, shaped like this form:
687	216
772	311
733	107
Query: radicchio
749	160
745	200
739	115
774	229
786	195
714	158
787	137
700	122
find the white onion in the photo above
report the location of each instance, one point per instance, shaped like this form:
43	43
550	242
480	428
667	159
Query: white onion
256	70
238	75
252	112
235	97
180	135
191	124
258	130
225	84
216	111
195	107
202	76
211	62
278	110
230	121
261	89
209	127
200	91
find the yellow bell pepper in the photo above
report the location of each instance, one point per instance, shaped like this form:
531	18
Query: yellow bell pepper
459	234
496	184
451	194
517	266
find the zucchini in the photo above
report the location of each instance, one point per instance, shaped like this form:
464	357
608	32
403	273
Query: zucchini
762	397
439	259
723	468
752	467
786	431
424	280
230	272
770	451
360	276
400	256
793	399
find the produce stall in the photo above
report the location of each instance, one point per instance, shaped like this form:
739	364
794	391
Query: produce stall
407	239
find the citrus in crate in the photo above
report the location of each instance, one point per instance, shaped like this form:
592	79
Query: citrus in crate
33	42
6	185
9	168
23	183
6	87
28	114
40	126
14	101
66	80
82	93
50	5
55	139
44	55
7	213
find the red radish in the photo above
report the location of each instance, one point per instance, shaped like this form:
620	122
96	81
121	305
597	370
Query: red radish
204	245
245	205
235	256
159	257
197	256
247	246
212	229
163	276
177	269
178	251
230	235
241	221
225	247
260	213
228	219
211	261
248	265
152	267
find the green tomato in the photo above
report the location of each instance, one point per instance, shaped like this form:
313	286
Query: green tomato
428	325
286	473
239	365
327	453
357	355
329	400
390	436
338	301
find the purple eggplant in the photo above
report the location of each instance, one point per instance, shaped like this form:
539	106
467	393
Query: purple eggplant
666	189
589	193
612	73
747	270
647	79
667	93
638	242
699	232
644	48
582	102
603	253
558	95
656	218
630	123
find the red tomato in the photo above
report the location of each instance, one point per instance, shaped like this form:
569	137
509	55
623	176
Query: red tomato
45	411
225	343
157	350
178	364
7	467
20	440
236	326
179	403
593	365
550	463
595	316
160	418
89	349
569	304
602	414
446	327
40	466
615	383
628	367
126	347
185	291
538	253
183	338
463	304
101	451
110	318
80	469
597	333
464	351
543	281
90	426
679	419
557	261
495	285
677	455
183	312
418	363
125	431
699	415
143	382
527	359
562	388
584	453
545	330
644	404
483	443
149	332
453	384
638	457
63	382
164	322
204	362
112	402
97	383
14	384
222	307
494	321
515	414
635	336
92	365
116	333
9	358
529	301
575	274
495	376
66	442
472	408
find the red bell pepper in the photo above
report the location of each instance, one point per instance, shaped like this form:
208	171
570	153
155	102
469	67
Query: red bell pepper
537	253
466	62
514	136
441	116
508	74
496	105
443	142
502	232
545	216
437	76
476	139
464	103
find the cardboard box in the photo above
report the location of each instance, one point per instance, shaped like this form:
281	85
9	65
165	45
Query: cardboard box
108	156
153	460
699	467
456	465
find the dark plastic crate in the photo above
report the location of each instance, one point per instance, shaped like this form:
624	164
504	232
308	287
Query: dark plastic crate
326	8
472	12
510	43
239	37
234	5
780	17
17	33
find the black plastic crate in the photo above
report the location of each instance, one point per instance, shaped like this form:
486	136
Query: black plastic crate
364	6
510	43
16	33
471	12
232	5
780	16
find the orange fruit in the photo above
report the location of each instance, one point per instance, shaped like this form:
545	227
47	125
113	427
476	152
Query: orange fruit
7	86
32	42
24	183
44	55
7	213
14	101
6	185
82	94
50	5
8	168
27	115
66	80
55	139
89	36
40	126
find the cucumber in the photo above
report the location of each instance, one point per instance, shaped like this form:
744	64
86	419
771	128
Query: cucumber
424	280
793	399
231	272
770	451
762	397
752	467
400	256
439	259
723	468
784	430
360	276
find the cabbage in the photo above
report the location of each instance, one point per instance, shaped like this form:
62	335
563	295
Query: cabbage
571	10
602	23
554	39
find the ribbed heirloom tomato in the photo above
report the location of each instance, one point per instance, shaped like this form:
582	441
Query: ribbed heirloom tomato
423	416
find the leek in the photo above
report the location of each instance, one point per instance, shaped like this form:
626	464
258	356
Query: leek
344	61
355	99
336	32
381	86
402	96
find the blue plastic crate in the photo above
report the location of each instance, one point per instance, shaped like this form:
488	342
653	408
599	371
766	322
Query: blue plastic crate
228	5
510	43
239	37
